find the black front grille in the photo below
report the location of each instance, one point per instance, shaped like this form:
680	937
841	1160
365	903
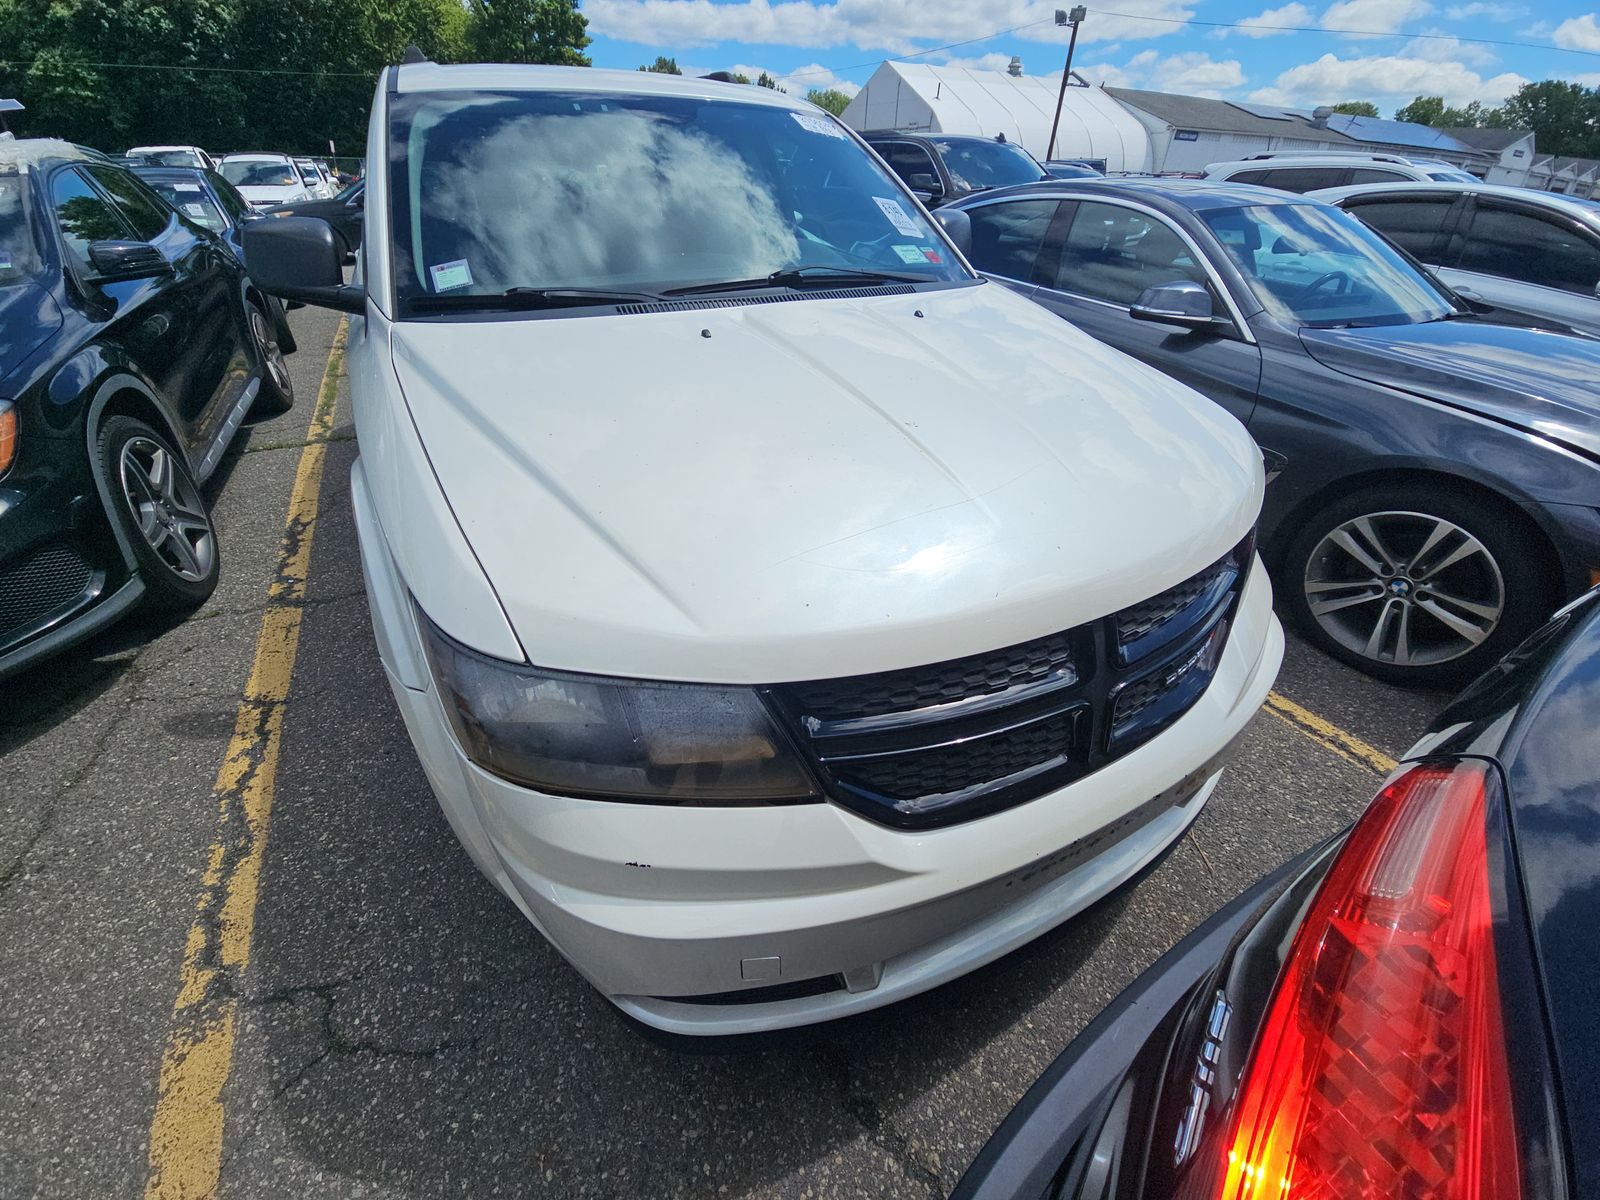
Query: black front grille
39	586
956	740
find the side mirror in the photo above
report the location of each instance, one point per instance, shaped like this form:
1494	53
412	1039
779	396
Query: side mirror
957	227
126	260
295	258
1181	302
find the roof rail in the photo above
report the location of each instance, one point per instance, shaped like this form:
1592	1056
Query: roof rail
1364	156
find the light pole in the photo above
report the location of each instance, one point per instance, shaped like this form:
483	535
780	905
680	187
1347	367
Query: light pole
1074	18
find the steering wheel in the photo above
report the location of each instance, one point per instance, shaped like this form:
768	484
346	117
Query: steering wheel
1339	277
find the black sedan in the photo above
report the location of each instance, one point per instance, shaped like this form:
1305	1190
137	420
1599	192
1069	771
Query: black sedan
344	212
1408	1011
132	346
210	201
944	167
1435	479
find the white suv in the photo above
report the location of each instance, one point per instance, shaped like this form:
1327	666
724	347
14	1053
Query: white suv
1309	172
787	619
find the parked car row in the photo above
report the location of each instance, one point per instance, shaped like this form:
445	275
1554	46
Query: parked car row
133	346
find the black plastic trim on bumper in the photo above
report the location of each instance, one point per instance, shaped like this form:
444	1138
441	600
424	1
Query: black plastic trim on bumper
92	619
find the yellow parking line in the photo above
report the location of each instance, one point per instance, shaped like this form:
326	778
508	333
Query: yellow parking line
1325	733
186	1131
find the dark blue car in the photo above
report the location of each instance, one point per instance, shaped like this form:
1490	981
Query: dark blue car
132	347
1435	477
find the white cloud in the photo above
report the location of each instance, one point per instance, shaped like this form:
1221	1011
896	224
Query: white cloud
1448	49
1274	22
1488	11
885	25
1388	81
1578	33
1190	72
1374	16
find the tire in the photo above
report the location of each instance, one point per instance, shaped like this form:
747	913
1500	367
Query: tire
1454	573
277	386
158	505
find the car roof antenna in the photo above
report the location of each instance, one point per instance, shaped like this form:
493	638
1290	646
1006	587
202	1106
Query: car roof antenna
414	54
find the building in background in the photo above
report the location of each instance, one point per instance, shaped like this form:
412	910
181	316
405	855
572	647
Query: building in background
915	96
1512	148
1410	140
1189	133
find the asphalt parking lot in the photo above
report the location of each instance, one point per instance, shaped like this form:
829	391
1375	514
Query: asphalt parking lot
399	1030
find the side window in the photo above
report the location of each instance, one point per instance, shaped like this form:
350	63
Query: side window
1114	253
1006	237
144	210
1373	175
1522	246
906	159
1413	225
84	215
1247	177
1303	179
228	196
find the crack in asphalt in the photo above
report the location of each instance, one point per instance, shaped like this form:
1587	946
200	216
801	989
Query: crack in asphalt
336	436
886	1135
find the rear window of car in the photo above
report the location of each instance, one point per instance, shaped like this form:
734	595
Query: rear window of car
1302	179
259	173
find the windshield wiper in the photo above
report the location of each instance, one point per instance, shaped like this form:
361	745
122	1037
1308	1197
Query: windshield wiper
798	277
519	299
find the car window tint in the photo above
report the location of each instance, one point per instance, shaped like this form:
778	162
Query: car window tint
84	215
1522	246
1114	253
1247	177
1373	175
1413	225
143	210
228	196
906	159
1006	237
1303	179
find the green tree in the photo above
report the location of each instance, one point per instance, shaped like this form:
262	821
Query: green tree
1357	108
1432	110
528	31
740	77
767	81
663	66
1564	117
831	99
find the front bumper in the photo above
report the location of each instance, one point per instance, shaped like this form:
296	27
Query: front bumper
789	915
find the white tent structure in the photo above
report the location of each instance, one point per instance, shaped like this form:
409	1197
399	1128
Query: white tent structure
929	99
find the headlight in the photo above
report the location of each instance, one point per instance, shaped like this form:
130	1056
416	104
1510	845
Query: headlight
617	739
8	434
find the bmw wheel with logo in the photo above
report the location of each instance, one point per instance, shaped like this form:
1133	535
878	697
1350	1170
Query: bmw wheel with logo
1415	585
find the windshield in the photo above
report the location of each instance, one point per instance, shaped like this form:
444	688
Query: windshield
1311	264
976	165
167	158
258	173
16	243
352	191
191	200
545	190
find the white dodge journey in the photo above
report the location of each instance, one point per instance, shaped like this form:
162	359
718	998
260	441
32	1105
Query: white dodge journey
787	619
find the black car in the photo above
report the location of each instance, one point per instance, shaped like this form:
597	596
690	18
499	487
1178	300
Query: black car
1407	1011
132	345
209	200
1070	168
344	212
941	168
1434	479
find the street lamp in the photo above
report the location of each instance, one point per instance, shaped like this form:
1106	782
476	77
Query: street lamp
1074	18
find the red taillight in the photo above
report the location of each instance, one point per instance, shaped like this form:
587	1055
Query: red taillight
1381	1069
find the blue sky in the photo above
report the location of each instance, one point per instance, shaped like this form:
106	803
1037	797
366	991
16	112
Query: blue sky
1386	51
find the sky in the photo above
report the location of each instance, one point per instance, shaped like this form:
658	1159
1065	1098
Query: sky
1296	53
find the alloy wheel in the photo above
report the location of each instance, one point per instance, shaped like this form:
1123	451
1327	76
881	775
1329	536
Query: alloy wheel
167	509
271	355
1406	588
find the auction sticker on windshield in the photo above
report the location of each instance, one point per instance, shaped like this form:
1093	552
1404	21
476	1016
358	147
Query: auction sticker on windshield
818	125
898	217
451	275
911	254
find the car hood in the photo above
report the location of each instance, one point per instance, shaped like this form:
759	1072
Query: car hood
28	319
1544	382
768	492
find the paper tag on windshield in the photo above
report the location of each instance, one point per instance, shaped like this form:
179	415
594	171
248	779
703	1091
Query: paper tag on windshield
451	275
911	254
817	124
194	209
186	187
898	217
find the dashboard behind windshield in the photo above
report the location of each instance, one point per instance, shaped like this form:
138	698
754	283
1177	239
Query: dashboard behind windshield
978	165
545	190
1311	264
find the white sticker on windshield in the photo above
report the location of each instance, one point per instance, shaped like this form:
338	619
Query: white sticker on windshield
186	187
911	254
5	261
898	217
451	275
194	208
817	124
